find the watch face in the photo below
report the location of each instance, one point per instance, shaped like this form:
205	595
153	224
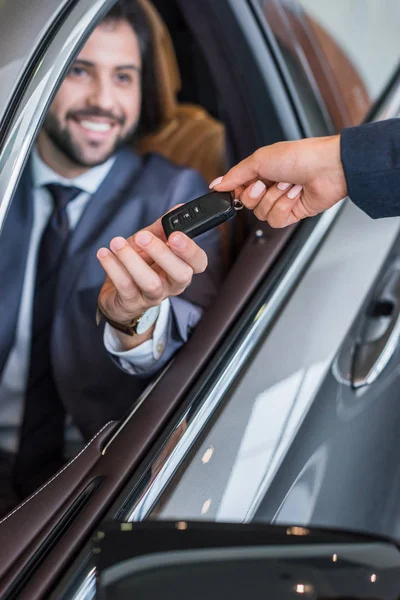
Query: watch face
147	319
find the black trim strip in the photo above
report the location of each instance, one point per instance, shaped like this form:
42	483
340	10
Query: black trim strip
64	523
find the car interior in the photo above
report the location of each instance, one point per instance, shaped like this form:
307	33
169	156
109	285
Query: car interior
189	136
196	132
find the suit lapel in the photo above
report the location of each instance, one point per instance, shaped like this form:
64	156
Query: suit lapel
14	246
100	211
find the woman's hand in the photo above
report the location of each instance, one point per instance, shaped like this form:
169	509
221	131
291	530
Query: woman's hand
288	181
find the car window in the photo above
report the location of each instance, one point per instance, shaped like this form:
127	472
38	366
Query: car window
109	134
18	49
278	405
346	66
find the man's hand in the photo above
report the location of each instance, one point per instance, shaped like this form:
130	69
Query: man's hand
288	181
142	271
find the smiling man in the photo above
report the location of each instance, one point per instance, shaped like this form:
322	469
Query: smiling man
75	217
98	106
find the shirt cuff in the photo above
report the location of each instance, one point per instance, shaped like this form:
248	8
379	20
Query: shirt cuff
144	356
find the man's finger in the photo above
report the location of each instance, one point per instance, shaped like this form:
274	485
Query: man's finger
155	229
143	276
188	251
142	253
117	274
182	246
179	272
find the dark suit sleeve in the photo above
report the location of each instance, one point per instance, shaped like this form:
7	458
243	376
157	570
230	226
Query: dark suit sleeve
371	160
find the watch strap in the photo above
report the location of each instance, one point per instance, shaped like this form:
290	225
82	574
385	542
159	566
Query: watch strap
129	329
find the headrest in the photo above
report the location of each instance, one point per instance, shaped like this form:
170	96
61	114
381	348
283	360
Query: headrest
167	71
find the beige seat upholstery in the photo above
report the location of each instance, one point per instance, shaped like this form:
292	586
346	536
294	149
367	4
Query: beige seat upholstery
192	138
188	136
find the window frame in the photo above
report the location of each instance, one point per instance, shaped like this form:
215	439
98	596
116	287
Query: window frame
37	87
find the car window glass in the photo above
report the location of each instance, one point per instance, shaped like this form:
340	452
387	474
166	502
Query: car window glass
287	432
345	51
50	334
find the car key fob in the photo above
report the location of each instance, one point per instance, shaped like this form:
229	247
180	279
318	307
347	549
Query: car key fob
202	214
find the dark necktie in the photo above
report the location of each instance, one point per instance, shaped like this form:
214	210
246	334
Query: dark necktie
40	451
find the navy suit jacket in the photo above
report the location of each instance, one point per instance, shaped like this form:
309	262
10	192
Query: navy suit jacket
371	160
135	193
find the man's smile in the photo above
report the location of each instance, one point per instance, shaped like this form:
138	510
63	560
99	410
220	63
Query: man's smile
95	128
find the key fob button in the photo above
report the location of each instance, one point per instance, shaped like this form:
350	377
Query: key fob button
186	216
196	210
175	222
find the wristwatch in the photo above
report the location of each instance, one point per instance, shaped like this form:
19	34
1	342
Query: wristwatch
138	326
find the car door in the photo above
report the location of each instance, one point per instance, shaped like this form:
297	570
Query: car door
306	428
210	560
223	452
169	424
33	527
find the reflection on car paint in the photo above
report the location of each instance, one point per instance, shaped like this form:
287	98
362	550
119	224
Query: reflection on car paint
299	502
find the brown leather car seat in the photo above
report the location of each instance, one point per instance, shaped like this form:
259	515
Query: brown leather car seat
188	135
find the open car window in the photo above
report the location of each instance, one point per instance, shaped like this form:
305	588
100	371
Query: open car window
54	337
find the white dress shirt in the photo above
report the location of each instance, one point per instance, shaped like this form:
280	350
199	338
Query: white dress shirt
15	374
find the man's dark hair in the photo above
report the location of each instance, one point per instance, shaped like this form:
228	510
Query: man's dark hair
131	11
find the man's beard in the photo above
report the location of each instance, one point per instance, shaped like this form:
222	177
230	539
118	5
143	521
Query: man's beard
64	142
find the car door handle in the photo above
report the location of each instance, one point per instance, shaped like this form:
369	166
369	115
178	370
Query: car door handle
379	333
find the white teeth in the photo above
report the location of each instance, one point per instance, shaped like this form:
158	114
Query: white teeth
92	126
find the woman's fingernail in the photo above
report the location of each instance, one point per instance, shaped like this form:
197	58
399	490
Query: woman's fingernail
215	182
295	191
102	252
258	188
118	243
283	186
179	241
143	238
